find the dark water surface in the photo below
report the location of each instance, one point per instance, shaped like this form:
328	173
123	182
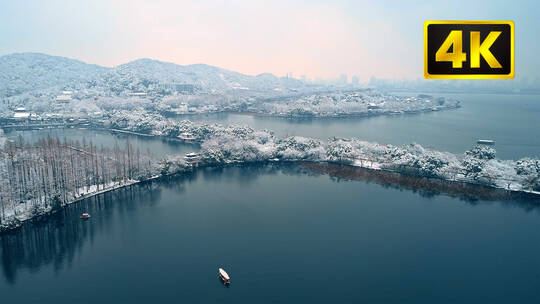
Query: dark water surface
284	236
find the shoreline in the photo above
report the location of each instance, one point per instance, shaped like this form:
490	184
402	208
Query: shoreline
345	116
39	217
163	137
423	185
247	113
322	117
427	185
467	182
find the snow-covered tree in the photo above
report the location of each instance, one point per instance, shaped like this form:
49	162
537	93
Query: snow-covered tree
529	170
301	148
481	152
44	176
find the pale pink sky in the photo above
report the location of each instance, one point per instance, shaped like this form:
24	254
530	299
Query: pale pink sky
255	37
313	38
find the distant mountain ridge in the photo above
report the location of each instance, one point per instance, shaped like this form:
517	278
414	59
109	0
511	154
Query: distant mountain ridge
26	72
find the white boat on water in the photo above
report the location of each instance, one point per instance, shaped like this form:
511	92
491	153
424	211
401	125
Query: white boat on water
85	216
486	142
224	276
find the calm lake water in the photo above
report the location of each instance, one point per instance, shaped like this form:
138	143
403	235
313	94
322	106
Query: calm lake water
290	236
284	237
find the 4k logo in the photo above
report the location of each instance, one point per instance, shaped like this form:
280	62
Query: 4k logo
468	49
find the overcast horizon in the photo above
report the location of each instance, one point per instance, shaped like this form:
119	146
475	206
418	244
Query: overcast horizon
317	39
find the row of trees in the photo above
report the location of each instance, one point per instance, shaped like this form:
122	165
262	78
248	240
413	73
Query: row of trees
226	144
478	165
40	177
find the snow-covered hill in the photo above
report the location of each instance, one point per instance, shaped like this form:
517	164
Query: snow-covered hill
199	75
27	72
165	78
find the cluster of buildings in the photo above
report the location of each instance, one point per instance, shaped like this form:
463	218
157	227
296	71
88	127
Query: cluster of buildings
63	98
22	116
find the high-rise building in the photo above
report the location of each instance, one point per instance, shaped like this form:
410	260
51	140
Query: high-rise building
343	79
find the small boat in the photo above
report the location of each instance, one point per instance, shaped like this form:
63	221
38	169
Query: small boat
85	216
224	276
485	142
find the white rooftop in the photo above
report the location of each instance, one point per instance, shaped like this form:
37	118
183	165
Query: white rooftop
21	115
63	98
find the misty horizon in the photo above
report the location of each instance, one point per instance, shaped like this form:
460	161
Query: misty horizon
315	39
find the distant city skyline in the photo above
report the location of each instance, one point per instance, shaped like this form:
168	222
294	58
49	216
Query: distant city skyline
307	39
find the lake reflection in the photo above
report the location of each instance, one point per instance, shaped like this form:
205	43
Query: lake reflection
279	230
58	239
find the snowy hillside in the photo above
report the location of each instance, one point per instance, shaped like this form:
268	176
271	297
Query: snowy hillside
164	78
27	72
20	73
